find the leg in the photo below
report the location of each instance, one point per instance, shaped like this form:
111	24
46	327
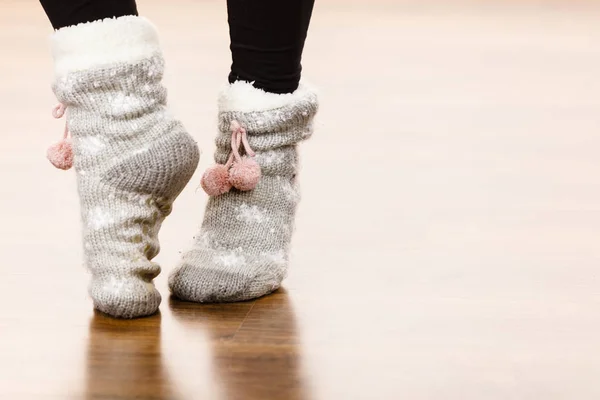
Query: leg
72	12
267	39
242	250
131	156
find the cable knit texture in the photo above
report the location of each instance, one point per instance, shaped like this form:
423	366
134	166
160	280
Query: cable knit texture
131	157
242	249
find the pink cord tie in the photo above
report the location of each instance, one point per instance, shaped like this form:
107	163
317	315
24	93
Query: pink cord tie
61	154
241	172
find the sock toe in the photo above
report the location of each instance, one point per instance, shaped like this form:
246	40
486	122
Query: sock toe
125	297
207	285
213	284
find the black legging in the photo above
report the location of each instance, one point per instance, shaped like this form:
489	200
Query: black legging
267	36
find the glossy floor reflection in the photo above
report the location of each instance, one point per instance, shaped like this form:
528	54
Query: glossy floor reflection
255	347
446	244
125	360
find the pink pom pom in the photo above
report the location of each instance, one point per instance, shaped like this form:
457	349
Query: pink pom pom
61	154
215	180
245	174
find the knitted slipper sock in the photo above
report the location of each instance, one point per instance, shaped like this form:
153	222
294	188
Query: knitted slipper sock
242	249
131	156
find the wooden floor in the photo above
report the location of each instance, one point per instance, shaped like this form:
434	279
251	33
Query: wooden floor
447	244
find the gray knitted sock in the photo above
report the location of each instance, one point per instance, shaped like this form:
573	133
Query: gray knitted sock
242	249
132	158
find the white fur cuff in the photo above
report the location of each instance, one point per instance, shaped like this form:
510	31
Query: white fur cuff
242	96
94	44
